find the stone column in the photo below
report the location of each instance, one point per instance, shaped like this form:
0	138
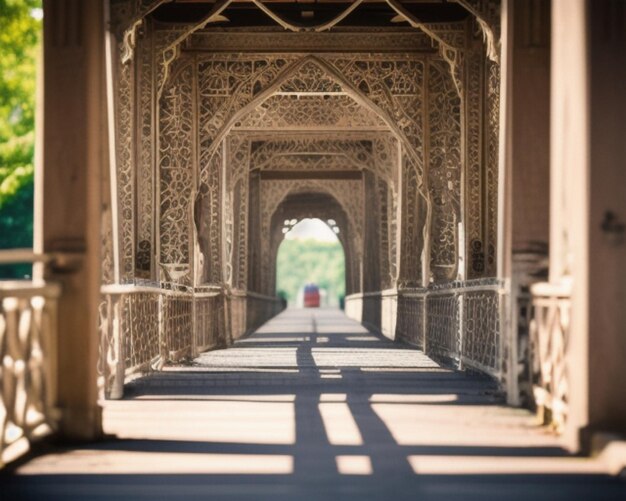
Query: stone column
74	154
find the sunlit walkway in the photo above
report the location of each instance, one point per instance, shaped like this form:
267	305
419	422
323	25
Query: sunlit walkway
312	406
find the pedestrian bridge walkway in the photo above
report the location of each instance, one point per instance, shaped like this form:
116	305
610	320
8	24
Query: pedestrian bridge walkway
313	406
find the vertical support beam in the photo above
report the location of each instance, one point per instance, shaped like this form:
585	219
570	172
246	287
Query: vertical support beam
254	237
371	237
569	195
524	178
74	153
606	293
508	324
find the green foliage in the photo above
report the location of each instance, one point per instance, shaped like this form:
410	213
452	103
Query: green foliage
310	261
19	41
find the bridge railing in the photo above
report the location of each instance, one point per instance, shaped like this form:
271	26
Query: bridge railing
28	336
549	336
250	310
455	322
143	327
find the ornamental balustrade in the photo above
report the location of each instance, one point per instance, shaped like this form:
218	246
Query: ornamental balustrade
28	327
143	327
549	337
456	323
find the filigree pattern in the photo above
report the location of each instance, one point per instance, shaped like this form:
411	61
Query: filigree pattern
410	320
178	325
492	160
317	151
176	152
411	234
296	112
125	168
473	167
145	161
443	327
481	331
444	172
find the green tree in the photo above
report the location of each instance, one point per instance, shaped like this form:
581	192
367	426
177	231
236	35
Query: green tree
20	32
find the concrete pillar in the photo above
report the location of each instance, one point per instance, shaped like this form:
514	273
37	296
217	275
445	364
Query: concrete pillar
74	154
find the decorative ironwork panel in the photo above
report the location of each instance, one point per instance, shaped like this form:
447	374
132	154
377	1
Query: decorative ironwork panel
410	320
481	334
178	325
443	327
444	171
316	151
411	231
209	312
125	114
473	166
145	160
297	112
386	251
176	153
492	124
208	216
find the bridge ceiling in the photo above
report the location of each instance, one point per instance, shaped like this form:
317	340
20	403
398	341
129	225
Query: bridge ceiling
374	13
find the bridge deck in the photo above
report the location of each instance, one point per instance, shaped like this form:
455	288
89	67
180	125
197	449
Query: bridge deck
313	406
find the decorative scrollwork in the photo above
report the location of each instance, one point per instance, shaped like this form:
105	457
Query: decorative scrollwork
444	172
176	152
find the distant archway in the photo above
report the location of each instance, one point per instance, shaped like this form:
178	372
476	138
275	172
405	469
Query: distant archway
311	253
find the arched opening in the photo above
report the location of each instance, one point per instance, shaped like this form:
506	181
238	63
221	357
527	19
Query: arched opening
311	253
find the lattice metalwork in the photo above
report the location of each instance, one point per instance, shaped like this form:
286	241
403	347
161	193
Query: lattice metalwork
130	342
481	331
209	321
410	320
178	325
443	327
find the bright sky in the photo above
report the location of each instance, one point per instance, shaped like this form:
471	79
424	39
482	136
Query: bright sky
311	229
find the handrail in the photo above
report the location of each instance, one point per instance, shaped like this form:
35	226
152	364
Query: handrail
26	288
17	256
61	261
